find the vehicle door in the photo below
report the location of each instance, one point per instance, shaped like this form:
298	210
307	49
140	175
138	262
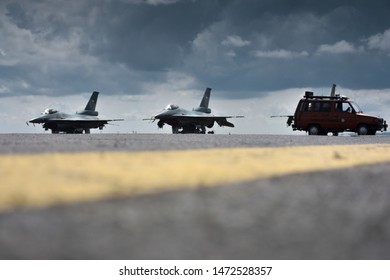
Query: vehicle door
322	114
315	112
303	114
345	116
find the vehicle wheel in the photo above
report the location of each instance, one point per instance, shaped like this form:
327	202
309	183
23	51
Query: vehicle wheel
363	130
313	130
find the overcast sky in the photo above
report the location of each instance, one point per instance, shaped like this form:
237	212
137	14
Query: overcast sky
258	56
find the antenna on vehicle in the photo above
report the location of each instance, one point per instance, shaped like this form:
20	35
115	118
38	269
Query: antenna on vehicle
333	92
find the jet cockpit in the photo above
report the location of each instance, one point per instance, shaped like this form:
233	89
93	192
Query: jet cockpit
171	107
50	111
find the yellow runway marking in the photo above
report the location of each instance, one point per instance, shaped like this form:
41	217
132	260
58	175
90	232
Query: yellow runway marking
47	179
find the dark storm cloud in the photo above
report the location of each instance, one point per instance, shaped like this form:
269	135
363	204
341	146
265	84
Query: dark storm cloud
150	37
238	47
19	16
285	38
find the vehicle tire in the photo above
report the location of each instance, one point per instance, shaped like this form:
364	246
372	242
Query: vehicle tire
314	130
363	130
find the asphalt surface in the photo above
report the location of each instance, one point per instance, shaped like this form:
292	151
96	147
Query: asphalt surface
334	214
39	143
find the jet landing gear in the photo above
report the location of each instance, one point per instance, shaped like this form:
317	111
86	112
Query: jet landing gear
190	129
175	130
77	131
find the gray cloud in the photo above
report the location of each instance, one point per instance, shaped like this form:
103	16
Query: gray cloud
235	41
280	54
380	41
244	49
341	47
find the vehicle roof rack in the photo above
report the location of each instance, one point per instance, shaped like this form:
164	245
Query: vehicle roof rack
310	95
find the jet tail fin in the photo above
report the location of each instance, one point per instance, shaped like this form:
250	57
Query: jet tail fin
205	100
91	105
204	104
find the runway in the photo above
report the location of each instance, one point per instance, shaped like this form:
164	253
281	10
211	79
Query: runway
155	196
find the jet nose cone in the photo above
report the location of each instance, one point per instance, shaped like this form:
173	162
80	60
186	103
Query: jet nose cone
36	120
160	115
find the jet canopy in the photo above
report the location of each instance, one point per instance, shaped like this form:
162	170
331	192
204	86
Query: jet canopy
171	107
50	111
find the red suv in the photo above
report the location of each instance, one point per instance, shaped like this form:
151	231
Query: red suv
319	115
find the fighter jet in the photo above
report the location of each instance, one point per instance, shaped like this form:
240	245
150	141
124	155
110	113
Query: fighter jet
195	121
73	123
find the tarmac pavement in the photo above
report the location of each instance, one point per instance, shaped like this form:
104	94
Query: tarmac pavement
332	214
46	143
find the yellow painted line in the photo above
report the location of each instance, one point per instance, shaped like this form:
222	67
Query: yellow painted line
47	179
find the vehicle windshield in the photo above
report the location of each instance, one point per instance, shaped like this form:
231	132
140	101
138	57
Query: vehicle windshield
356	107
171	107
50	111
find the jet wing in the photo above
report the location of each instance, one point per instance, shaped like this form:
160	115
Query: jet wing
221	120
213	117
73	124
79	120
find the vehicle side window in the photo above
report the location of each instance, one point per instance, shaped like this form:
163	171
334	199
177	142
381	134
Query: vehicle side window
325	107
306	106
316	106
347	107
